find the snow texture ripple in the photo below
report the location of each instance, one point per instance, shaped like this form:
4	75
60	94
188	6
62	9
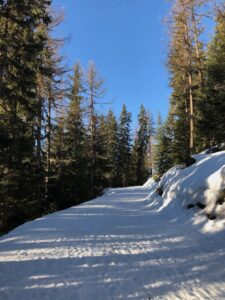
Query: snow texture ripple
119	246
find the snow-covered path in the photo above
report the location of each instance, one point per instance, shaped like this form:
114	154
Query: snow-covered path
115	247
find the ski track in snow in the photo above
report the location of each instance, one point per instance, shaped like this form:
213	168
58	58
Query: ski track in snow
115	247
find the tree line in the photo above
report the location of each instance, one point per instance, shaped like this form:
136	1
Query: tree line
92	151
196	119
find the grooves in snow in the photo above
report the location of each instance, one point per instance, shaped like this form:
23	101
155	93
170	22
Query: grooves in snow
118	246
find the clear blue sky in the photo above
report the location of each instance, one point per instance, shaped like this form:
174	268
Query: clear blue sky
127	40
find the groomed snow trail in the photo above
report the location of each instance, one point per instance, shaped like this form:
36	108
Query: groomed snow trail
115	247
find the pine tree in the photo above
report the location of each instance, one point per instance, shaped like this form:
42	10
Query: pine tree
101	166
112	148
50	91
21	47
186	65
163	152
150	148
73	180
95	91
59	160
213	119
140	147
124	148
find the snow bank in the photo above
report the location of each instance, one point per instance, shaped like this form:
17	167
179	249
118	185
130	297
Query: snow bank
199	186
149	183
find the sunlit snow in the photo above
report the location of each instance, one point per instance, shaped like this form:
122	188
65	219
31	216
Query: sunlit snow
128	244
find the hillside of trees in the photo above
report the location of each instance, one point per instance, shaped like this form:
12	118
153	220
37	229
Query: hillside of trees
56	147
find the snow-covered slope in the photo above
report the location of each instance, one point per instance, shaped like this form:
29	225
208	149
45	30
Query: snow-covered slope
130	243
199	185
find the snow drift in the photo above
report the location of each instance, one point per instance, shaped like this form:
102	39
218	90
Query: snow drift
199	187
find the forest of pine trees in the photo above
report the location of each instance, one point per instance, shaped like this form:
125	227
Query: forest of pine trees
56	147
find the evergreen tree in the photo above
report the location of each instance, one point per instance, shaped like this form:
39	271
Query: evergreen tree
50	92
163	153
186	65
112	149
21	48
213	119
94	90
101	166
59	160
73	178
150	148
140	147
124	148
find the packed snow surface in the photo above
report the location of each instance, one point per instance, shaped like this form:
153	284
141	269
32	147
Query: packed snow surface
128	244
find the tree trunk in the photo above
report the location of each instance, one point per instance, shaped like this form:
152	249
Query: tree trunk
92	121
191	114
197	48
48	142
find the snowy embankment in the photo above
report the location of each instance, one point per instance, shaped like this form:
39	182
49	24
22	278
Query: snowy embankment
130	243
200	186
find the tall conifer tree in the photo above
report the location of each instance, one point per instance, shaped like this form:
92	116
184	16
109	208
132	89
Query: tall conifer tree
95	91
73	178
163	150
124	155
112	148
213	117
141	144
186	65
21	48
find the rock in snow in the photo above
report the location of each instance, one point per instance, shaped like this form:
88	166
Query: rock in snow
130	243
